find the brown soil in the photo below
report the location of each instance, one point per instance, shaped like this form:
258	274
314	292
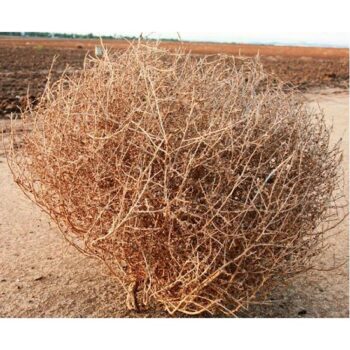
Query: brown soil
196	48
42	276
25	63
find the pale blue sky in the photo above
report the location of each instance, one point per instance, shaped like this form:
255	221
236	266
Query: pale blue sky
303	39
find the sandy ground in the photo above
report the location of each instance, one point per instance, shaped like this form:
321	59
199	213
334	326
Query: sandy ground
41	276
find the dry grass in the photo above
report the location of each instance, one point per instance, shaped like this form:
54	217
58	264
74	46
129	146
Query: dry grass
197	181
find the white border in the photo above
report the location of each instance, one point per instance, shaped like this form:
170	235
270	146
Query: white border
112	16
100	16
175	334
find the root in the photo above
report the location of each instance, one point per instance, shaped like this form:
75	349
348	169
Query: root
131	298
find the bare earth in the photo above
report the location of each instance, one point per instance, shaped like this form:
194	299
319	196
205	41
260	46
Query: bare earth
42	276
25	64
194	47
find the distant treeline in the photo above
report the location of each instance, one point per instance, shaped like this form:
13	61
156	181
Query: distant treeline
71	36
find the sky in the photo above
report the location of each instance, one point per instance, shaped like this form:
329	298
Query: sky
298	39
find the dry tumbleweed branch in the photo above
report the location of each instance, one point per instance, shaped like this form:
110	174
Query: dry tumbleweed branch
198	181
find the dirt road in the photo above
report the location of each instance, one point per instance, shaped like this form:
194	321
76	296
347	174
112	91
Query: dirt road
41	276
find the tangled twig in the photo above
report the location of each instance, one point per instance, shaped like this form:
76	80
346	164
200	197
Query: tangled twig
197	180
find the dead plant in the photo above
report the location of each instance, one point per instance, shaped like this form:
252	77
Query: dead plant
198	181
